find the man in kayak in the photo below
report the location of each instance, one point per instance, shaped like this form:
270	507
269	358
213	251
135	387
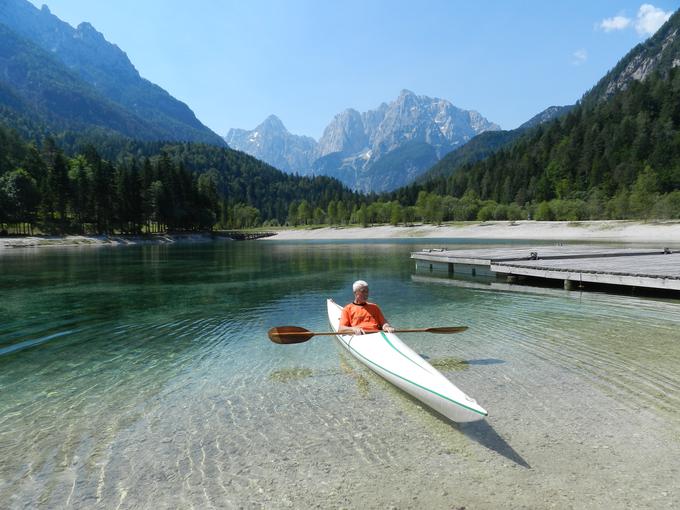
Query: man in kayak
361	317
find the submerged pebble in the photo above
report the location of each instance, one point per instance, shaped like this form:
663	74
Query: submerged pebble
290	374
449	364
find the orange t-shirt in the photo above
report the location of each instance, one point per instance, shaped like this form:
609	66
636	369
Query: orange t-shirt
367	316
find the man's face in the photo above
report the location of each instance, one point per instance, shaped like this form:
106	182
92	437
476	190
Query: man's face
361	295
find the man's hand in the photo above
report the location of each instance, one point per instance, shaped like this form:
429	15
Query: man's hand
387	328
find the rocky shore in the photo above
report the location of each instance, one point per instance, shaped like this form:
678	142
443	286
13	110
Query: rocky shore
103	240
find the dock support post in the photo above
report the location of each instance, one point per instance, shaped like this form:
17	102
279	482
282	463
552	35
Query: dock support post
568	285
511	278
450	267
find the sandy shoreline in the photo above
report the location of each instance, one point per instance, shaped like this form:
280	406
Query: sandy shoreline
8	243
660	233
610	231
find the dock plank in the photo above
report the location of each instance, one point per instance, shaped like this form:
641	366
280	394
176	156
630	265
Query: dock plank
665	266
488	255
655	268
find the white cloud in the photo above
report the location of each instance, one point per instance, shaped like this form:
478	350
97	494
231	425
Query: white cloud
615	23
579	57
649	19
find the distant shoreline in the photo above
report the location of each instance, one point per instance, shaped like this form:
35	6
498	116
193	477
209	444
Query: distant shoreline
618	231
660	233
10	243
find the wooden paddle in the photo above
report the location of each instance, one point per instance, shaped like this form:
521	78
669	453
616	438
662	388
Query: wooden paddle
297	335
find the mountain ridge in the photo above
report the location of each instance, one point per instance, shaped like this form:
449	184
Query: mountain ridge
353	143
293	150
660	52
105	69
487	143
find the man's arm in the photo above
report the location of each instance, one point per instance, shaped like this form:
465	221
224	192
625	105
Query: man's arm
351	330
385	325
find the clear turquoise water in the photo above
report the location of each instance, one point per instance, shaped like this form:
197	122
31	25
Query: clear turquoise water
142	377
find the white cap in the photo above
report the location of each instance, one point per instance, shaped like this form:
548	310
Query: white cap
359	284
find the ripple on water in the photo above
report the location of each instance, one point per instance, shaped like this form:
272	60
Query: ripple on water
290	374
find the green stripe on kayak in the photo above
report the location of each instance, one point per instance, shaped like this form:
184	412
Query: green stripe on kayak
404	355
408	380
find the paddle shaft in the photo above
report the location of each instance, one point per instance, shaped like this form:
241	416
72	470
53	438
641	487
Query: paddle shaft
296	334
454	329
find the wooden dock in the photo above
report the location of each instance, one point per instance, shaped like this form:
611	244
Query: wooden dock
244	235
653	268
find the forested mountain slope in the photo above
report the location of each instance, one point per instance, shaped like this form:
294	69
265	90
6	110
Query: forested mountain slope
616	154
487	143
619	157
73	78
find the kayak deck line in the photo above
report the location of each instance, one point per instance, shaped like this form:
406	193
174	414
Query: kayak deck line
415	383
404	355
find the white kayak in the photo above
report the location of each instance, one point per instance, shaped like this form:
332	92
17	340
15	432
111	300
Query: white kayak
388	356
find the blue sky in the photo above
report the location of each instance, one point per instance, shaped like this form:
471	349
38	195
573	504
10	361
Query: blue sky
236	62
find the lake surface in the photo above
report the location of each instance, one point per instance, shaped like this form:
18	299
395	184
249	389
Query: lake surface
142	377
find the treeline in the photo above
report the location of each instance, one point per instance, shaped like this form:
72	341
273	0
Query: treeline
86	194
617	159
427	207
146	187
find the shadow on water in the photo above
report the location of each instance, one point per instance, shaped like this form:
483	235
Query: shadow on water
483	433
480	431
480	362
489	361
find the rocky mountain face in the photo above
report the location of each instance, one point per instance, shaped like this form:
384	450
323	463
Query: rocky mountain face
659	53
106	76
378	150
271	142
488	143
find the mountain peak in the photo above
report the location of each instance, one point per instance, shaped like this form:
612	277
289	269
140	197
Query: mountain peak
87	27
347	113
86	31
272	143
104	88
273	122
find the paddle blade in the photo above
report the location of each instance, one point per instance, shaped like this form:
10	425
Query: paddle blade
289	335
452	329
